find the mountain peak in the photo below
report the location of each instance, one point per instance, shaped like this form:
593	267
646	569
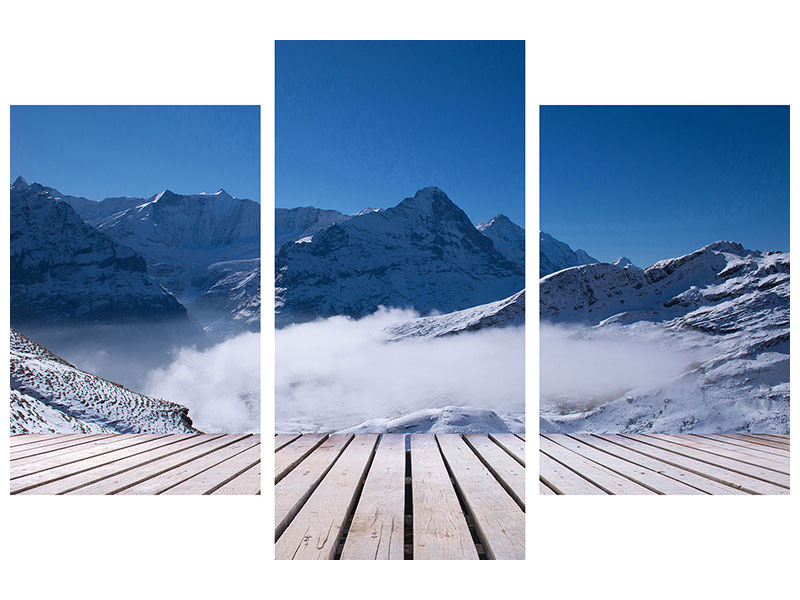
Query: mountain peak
19	185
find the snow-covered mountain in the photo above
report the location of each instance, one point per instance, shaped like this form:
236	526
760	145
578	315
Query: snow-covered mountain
93	212
503	313
292	224
508	238
625	263
191	243
449	419
423	253
726	306
65	271
49	395
555	255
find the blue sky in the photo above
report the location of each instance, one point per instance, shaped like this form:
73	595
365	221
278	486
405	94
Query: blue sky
101	151
656	182
366	124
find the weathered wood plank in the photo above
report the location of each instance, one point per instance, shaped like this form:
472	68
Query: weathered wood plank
156	477
208	481
511	444
88	456
293	454
602	477
755	439
294	489
500	522
440	529
508	471
720	474
316	530
377	529
246	484
284	439
74	480
56	439
20	439
649	478
717	460
545	491
734	443
563	480
753	457
699	482
61	446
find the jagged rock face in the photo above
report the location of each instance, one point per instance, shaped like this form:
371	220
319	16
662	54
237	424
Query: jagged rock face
49	395
236	294
423	253
508	238
63	270
293	224
555	255
93	212
720	288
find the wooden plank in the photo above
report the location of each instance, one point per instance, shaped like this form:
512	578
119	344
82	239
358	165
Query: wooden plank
545	491
563	480
689	478
754	439
505	469
316	530
20	439
774	436
604	478
511	444
90	454
649	478
284	439
753	457
440	529
499	520
294	489
720	461
59	446
521	436
47	441
734	443
293	454
377	529
720	474
156	477
208	481
124	461
246	484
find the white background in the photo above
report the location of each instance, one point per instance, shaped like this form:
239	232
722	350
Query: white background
222	53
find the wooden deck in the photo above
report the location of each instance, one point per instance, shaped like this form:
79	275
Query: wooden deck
136	464
392	496
664	464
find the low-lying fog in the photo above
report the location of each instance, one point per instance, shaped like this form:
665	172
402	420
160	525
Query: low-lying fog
338	372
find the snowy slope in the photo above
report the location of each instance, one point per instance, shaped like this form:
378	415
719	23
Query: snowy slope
423	253
449	419
555	255
93	212
63	270
723	307
508	238
49	395
503	313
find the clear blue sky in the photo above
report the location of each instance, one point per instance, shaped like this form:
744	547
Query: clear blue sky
366	124
101	151
656	182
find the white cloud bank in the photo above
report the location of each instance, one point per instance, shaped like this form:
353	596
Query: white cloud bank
220	386
338	372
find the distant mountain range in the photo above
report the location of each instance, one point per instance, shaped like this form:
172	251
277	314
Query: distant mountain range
423	253
724	302
134	259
